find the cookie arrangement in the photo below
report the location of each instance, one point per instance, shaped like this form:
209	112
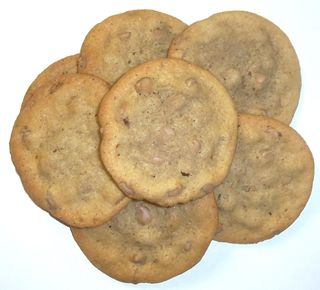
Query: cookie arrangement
159	137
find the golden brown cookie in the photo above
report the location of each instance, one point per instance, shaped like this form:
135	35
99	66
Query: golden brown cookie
168	132
54	146
269	182
148	243
61	67
251	56
123	41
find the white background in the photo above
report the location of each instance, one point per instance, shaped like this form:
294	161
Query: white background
37	252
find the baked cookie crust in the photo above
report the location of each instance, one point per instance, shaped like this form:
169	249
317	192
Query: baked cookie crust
63	66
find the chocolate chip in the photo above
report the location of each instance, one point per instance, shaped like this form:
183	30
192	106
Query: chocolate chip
126	121
55	87
185	173
273	132
138	257
144	86
126	189
24	132
125	35
143	215
190	82
187	246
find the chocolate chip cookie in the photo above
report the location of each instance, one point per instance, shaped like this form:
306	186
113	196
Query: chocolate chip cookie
269	182
148	243
168	132
54	146
123	41
251	56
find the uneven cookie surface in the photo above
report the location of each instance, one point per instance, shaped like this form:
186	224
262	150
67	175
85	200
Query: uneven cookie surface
54	146
251	56
269	182
125	40
148	243
55	70
168	132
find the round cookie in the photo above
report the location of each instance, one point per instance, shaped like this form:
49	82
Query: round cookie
168	132
148	243
61	67
269	182
123	41
251	56
54	147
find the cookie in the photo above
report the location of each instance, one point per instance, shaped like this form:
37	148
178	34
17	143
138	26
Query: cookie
148	243
251	56
123	41
54	147
168	132
61	67
269	182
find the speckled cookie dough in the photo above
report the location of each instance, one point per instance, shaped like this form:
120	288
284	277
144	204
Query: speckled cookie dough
123	41
55	70
147	243
168	132
251	56
54	147
269	182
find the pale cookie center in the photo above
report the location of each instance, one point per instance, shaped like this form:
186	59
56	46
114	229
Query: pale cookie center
166	134
231	77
